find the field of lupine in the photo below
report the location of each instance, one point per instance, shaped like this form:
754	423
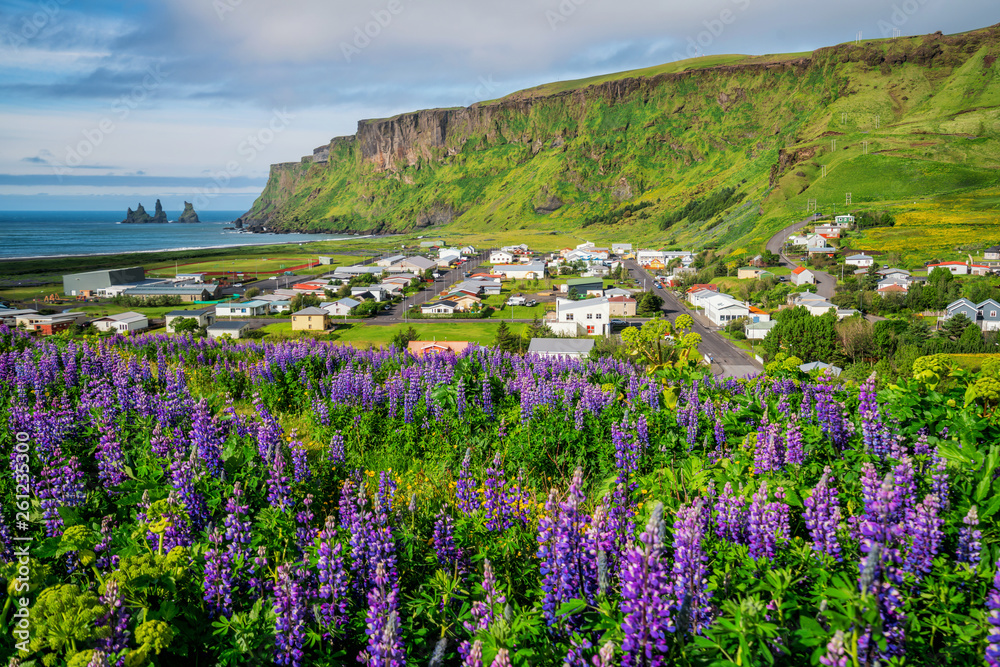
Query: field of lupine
214	503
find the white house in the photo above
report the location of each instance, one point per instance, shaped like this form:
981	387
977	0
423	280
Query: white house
843	221
372	292
417	264
443	307
956	268
758	330
571	348
992	253
644	257
340	307
722	309
803	276
863	261
590	315
828	231
390	260
621	248
122	322
520	271
254	308
501	257
821	367
233	329
698	297
205	316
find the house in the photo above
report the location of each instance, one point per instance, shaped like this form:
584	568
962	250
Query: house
205	316
746	272
700	286
529	271
190	277
803	276
758	315
656	265
188	294
986	315
644	257
468	250
9	316
341	307
815	241
418	264
501	257
424	347
617	291
596	271
863	261
442	307
891	288
30	319
624	248
279	306
828	231
843	221
821	368
622	306
465	301
698	298
311	319
52	327
824	250
584	286
390	260
590	315
364	292
992	253
980	269
956	268
818	308
122	322
722	309
758	330
254	308
570	348
894	272
233	329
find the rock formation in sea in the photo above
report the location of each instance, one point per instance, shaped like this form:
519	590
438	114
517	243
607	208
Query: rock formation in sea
189	214
140	217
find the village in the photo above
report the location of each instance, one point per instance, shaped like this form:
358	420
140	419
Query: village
573	295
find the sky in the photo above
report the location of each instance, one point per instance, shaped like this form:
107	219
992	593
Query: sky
103	103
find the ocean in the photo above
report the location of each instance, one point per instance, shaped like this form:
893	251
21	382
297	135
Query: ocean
66	233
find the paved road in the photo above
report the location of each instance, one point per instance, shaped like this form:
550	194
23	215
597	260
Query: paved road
727	359
826	285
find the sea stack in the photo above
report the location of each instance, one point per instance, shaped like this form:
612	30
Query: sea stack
189	214
140	217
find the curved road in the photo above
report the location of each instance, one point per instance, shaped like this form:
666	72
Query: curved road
826	284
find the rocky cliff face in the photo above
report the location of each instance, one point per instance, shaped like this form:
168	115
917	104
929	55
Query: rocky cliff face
189	215
573	155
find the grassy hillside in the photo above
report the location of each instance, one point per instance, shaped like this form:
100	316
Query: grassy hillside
910	124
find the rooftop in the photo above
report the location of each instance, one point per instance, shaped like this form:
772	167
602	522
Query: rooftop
312	310
229	325
561	345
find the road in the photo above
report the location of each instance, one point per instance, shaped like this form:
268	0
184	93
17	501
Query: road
826	285
726	359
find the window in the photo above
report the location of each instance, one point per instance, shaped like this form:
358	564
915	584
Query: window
993	313
569	317
590	328
598	316
590	316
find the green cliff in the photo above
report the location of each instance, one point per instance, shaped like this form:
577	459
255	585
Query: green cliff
720	150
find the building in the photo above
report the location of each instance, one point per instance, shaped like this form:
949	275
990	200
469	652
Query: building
442	307
74	283
365	292
465	301
190	277
820	368
122	322
592	316
758	330
894	272
584	286
828	231
622	306
891	288
956	268
758	315
420	348
843	221
698	297
621	248
341	307
746	272
9	316
992	253
570	348
205	316
311	319
862	261
986	315
231	328
644	257
50	328
416	264
980	269
188	294
722	309
528	271
501	257
254	308
390	260
803	276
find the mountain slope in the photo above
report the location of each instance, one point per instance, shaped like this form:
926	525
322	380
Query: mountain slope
747	137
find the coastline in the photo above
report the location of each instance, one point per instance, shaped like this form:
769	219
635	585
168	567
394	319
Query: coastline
183	249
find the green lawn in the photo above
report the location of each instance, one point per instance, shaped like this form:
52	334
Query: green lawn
112	309
362	335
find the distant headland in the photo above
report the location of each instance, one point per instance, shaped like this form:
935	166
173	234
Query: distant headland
140	217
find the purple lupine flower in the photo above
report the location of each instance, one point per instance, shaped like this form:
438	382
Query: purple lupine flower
969	535
567	571
115	619
237	524
336	452
906	487
385	643
730	516
485	611
923	528
993	619
767	522
206	439
300	461
794	454
602	547
97	659
218	578
605	657
836	653
183	478
465	488
502	659
448	553
257	579
333	585
290	605
822	516
769	454
939	483
690	573
304	531
473	654
494	496
110	459
279	493
645	597
880	574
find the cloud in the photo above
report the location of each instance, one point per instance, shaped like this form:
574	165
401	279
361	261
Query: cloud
112	180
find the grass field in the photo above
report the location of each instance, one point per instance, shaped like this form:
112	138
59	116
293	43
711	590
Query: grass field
364	335
262	267
112	309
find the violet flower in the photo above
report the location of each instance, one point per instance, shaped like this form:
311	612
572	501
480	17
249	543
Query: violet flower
645	598
822	516
969	536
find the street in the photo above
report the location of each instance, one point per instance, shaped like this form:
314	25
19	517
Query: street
826	285
726	359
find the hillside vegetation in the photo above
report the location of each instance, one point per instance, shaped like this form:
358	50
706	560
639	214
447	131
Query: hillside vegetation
909	125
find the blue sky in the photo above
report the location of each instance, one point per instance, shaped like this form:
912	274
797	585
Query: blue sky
102	103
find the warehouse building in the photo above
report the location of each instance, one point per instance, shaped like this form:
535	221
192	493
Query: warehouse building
91	281
188	293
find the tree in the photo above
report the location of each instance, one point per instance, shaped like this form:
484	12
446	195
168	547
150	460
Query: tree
505	341
802	335
537	329
659	343
402	338
300	301
650	305
956	325
367	308
856	338
252	292
184	325
971	340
